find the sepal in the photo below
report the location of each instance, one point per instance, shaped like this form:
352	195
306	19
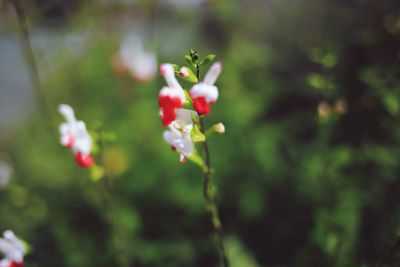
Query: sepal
197	135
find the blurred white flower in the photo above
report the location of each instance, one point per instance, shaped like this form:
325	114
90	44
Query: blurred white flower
178	135
132	58
205	94
171	97
5	174
75	135
186	3
13	250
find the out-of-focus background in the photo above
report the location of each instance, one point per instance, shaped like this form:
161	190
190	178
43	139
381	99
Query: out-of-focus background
307	171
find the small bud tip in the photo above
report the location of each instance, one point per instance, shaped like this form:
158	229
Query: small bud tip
183	72
219	128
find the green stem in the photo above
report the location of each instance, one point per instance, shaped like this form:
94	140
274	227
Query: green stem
210	194
30	58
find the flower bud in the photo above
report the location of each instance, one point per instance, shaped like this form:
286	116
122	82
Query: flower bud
184	72
324	109
219	128
341	106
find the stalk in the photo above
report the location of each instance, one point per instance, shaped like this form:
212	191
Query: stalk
210	194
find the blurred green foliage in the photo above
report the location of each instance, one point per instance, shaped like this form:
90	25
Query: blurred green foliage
300	184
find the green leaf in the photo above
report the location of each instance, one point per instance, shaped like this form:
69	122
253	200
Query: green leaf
207	59
198	160
96	173
109	136
26	245
197	135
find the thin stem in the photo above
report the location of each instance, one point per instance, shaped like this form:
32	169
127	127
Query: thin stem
30	58
210	194
389	255
105	182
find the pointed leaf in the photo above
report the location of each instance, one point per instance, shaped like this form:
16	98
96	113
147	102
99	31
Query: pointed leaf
207	59
197	135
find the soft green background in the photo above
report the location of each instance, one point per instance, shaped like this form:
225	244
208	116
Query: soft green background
295	188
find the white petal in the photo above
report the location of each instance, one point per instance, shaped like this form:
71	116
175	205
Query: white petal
143	66
168	72
184	116
67	112
169	137
172	92
11	247
210	92
83	142
64	128
213	73
5	263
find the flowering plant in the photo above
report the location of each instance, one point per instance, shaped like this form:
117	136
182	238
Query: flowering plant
183	113
74	135
13	250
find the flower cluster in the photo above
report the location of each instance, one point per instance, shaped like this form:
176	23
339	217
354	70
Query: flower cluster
173	101
75	136
13	250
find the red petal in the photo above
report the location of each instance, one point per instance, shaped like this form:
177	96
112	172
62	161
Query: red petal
83	160
201	106
16	264
70	142
168	107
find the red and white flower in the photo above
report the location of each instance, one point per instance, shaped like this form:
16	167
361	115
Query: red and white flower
132	58
205	94
74	135
13	250
178	135
171	97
